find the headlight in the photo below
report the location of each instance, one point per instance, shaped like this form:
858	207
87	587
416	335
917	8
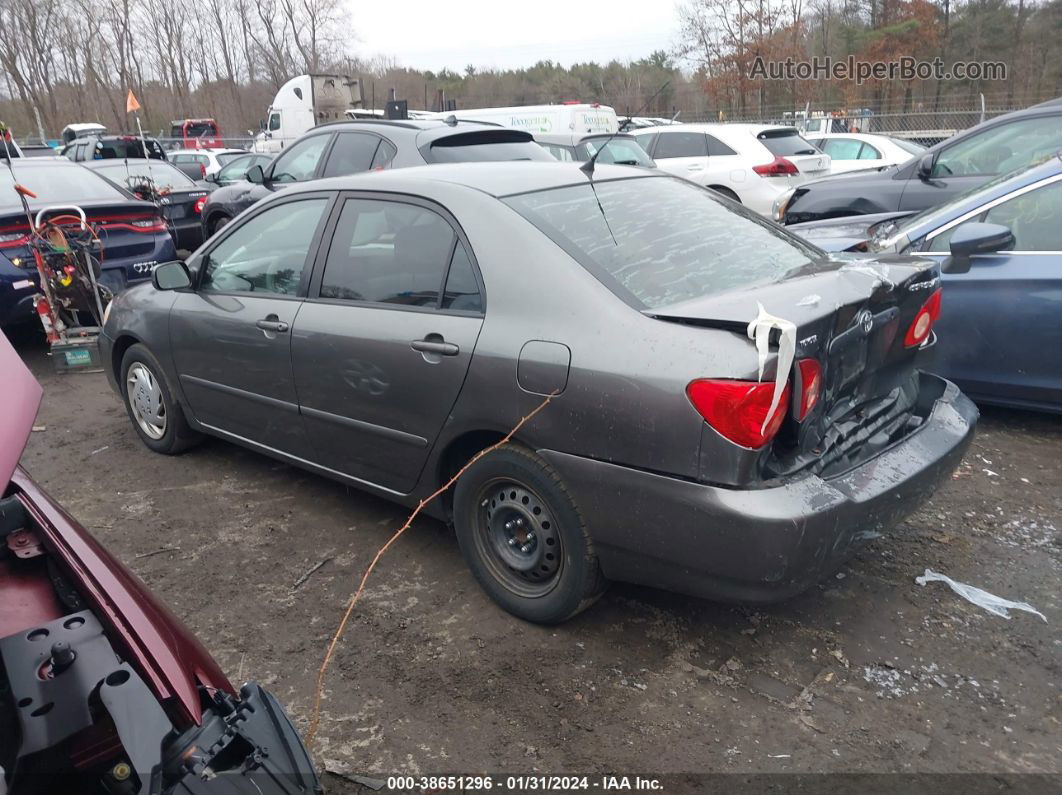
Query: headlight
778	209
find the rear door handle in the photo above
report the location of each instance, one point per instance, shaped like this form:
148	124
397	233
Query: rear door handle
272	324
435	346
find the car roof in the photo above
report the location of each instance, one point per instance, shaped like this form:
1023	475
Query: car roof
211	150
716	127
498	179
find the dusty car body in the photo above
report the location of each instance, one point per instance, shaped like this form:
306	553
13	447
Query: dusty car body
103	689
627	298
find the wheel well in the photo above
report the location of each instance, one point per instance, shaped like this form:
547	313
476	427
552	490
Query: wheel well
458	453
723	189
213	218
121	345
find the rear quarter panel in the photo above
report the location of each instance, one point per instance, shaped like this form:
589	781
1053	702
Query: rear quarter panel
625	398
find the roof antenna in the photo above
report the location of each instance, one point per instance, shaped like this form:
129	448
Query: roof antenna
588	167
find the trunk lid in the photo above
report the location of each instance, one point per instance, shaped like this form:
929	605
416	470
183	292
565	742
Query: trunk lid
851	316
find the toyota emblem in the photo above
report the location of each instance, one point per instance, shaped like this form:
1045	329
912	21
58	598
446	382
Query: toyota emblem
865	321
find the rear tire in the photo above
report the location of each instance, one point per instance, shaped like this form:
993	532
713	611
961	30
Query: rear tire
522	536
156	416
218	222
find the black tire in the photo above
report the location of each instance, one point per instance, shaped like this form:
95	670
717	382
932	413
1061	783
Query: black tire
556	573
217	222
175	436
726	192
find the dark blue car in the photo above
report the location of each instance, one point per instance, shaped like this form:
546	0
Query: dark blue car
1000	248
133	232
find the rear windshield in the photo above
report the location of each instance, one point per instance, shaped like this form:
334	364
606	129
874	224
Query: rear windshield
56	185
485	145
136	172
786	142
121	148
660	240
199	129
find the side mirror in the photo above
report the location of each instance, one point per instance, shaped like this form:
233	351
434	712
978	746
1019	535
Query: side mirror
171	276
925	166
976	238
211	178
255	174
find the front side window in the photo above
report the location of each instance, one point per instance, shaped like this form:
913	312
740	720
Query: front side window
274	122
267	254
388	252
685	144
647	140
662	241
1033	217
1002	149
300	161
236	168
352	153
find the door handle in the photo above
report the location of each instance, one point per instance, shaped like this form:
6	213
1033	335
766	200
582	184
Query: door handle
272	324
437	346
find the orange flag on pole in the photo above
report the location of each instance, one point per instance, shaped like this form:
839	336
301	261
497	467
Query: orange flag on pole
130	103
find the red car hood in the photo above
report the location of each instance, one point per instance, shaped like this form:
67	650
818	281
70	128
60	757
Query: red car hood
170	659
22	398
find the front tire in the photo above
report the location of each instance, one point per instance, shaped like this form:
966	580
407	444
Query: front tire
522	536
157	418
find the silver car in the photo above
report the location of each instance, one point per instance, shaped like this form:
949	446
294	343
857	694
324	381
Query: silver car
381	329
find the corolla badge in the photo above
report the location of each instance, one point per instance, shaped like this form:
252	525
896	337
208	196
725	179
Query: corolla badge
865	321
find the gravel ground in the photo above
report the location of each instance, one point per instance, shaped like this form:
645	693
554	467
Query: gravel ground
868	672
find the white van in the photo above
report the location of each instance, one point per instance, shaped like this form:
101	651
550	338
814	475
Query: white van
575	119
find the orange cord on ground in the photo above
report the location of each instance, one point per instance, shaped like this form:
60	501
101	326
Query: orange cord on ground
316	719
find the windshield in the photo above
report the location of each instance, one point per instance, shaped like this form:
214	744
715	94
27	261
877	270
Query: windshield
786	141
56	185
227	157
135	173
661	240
622	151
485	145
888	235
907	146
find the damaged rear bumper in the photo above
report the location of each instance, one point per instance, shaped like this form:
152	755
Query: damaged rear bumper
761	545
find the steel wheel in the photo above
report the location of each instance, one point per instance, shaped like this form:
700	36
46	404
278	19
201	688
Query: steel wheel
517	537
145	400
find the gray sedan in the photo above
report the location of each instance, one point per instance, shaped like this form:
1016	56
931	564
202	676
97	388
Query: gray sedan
732	413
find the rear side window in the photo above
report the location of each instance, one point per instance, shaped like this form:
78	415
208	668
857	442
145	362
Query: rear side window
662	241
388	252
462	289
684	144
717	147
843	148
385	153
353	152
785	142
484	145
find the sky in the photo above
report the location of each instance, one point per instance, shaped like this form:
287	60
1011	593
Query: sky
432	34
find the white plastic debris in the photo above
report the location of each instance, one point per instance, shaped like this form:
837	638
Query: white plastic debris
996	605
760	331
809	300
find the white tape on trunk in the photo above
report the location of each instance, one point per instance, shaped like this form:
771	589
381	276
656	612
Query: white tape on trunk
759	330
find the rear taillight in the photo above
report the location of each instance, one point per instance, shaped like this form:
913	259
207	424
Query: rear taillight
202	171
779	167
148	224
923	322
810	386
11	238
197	208
737	409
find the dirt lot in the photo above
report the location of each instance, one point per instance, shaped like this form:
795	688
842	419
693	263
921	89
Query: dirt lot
868	672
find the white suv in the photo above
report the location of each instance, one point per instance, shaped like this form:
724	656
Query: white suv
750	163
